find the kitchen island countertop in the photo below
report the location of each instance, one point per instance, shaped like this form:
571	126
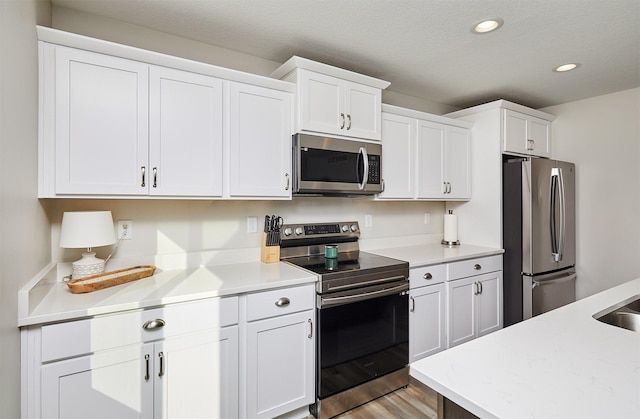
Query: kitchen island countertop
561	364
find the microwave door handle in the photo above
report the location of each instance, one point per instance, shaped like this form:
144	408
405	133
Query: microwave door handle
365	175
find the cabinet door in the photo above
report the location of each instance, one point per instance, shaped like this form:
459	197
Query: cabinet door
398	136
515	135
280	364
101	124
489	303
321	103
185	120
109	384
259	142
426	321
187	374
430	158
461	308
362	111
540	135
458	163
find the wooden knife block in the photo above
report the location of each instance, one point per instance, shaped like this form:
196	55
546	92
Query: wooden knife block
269	254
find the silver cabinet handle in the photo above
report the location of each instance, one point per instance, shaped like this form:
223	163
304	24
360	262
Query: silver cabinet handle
283	302
286	176
341	120
310	335
480	284
427	275
476	292
477	267
533	145
413	304
155	177
153	324
161	359
143	170
449	184
349	122
146	361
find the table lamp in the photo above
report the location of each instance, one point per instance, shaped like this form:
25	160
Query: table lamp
87	229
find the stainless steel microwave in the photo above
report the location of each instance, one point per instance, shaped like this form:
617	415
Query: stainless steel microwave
334	166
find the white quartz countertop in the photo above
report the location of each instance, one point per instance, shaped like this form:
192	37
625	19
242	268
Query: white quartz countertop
432	254
561	364
50	300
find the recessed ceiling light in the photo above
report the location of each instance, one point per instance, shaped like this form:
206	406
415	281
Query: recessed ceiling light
566	67
487	25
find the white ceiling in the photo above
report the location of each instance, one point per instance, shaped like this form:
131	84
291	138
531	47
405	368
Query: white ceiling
423	47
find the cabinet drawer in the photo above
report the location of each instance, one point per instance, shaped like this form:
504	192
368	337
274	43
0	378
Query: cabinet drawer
81	337
265	304
228	311
427	275
472	267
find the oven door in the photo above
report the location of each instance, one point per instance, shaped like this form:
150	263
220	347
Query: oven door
363	334
325	165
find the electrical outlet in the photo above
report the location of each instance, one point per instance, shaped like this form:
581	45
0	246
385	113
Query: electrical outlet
252	224
368	220
427	218
125	229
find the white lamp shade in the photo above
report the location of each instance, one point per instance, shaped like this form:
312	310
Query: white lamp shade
85	229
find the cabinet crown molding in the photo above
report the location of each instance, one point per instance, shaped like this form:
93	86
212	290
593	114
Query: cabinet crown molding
502	104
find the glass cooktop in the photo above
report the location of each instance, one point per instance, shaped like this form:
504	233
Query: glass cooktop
346	262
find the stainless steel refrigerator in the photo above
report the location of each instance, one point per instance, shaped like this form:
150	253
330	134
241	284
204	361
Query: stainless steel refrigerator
538	236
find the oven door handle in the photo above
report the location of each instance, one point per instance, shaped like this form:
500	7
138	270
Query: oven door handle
326	302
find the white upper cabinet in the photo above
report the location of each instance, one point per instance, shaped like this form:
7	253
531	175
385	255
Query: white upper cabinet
398	160
334	101
100	123
185	128
259	142
116	126
425	156
526	134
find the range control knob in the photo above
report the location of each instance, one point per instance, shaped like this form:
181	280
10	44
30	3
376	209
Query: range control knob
345	228
287	231
298	231
354	227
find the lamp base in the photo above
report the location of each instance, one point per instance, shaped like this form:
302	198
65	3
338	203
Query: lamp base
88	265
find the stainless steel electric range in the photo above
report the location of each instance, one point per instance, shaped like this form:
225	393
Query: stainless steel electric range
362	337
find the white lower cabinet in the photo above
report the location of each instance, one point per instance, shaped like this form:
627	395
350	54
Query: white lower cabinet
427	300
159	363
474	293
280	349
245	356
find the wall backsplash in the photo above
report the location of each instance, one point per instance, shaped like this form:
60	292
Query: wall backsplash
180	226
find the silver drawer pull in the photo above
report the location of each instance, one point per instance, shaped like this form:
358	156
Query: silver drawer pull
427	275
153	324
477	267
283	302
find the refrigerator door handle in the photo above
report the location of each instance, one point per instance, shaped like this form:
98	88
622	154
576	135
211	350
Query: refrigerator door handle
563	212
557	201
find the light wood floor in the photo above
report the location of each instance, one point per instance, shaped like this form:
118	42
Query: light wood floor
415	401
